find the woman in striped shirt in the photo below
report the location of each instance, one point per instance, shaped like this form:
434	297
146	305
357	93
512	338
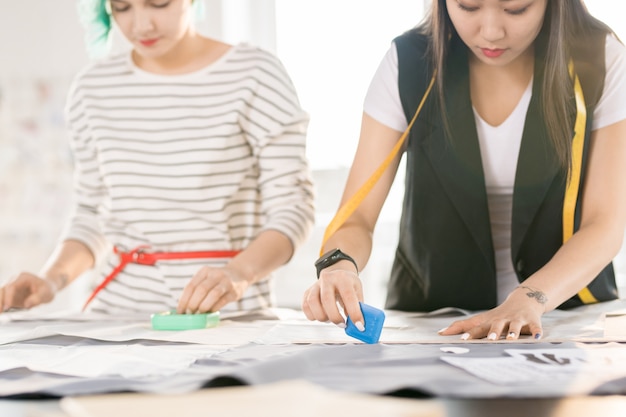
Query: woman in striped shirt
190	164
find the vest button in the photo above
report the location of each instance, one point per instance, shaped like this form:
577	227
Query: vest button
519	267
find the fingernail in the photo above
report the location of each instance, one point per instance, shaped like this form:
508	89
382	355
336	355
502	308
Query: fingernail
341	325
492	336
537	336
442	330
359	326
511	335
465	336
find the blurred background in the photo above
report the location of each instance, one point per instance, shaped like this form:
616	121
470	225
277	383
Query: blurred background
331	49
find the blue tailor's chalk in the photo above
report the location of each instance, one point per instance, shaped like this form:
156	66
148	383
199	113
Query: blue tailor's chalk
374	319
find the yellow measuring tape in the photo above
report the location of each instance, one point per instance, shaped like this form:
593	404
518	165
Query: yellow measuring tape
573	183
346	210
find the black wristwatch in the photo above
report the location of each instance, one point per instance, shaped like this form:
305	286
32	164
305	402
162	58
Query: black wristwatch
330	258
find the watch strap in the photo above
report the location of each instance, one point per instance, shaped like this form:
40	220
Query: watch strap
332	257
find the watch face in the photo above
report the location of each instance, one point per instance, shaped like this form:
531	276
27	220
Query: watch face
330	258
326	258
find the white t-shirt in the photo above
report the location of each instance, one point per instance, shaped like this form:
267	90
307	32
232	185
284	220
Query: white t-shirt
499	156
191	162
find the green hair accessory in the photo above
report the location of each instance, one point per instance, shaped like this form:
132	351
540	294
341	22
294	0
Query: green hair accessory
199	10
95	16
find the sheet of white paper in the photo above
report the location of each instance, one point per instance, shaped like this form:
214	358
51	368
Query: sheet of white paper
226	333
399	327
585	324
90	359
234	329
580	369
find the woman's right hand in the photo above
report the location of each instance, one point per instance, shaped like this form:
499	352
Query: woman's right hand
335	287
26	291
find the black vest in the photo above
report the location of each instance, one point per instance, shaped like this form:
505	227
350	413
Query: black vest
445	253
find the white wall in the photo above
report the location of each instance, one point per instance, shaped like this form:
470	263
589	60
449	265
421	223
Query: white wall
331	49
40	38
41	47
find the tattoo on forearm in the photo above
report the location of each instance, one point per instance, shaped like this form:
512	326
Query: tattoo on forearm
59	282
536	294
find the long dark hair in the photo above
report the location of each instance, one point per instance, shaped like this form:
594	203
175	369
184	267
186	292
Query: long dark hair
564	21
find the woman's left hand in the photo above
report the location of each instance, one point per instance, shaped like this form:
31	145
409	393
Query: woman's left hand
519	314
210	289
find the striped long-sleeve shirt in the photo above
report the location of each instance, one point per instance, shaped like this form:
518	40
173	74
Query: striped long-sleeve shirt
199	161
